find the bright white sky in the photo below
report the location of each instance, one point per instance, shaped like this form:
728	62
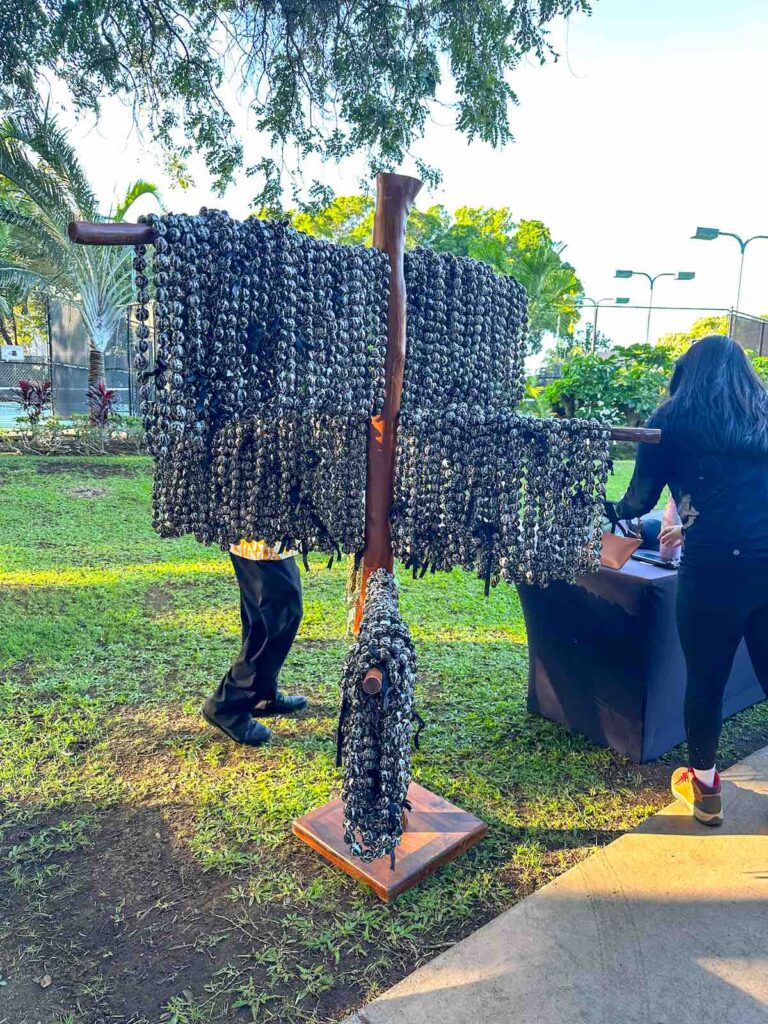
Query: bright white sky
651	123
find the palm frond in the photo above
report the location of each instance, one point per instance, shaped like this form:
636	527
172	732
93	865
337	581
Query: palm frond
29	237
135	191
21	279
102	306
40	187
48	189
42	133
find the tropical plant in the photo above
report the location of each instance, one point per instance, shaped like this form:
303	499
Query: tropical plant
524	249
46	188
34	397
760	364
6	316
586	388
325	77
679	342
534	402
101	403
23	317
624	385
553	291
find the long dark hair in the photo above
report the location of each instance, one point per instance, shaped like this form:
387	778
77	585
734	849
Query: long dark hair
717	402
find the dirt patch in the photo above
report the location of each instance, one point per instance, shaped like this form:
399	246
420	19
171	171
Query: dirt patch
157	600
86	492
129	929
49	467
130	921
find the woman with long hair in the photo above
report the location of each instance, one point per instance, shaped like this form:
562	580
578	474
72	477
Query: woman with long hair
714	458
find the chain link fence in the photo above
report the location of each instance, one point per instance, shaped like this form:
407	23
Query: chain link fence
11	375
750	332
65	364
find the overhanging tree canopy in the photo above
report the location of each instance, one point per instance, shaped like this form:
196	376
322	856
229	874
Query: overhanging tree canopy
331	77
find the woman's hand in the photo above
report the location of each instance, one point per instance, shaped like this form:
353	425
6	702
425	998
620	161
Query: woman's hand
609	512
671	535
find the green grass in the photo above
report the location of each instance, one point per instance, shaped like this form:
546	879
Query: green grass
109	639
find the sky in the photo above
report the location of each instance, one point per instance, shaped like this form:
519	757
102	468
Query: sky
650	124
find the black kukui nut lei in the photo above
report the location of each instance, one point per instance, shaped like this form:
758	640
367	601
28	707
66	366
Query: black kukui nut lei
269	349
506	496
376	731
510	497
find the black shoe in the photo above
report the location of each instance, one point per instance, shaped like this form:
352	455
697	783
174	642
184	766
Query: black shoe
240	728
281	705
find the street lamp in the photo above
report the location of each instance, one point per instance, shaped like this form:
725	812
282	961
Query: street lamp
710	234
681	275
597	303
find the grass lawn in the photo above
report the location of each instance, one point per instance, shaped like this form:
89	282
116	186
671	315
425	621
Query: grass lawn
147	870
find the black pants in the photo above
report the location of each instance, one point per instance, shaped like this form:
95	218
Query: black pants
270	611
719	604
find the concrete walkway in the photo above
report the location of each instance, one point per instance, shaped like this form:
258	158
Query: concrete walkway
666	925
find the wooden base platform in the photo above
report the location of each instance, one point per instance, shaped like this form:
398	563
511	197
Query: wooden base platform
436	832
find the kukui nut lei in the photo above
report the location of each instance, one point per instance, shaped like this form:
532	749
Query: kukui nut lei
506	496
376	731
269	361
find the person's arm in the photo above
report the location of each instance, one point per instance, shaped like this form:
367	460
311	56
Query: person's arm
650	477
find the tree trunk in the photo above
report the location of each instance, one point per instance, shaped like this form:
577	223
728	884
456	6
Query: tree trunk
95	366
4	332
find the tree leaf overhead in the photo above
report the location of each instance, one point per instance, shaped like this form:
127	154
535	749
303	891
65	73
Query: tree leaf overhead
322	77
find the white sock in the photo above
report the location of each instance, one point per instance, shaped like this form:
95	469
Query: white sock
706	775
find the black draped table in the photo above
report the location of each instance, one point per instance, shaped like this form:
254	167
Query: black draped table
605	660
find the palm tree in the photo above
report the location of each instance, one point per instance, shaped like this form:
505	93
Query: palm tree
45	187
553	290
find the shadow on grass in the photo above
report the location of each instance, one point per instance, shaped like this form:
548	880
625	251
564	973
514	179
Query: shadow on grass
127	922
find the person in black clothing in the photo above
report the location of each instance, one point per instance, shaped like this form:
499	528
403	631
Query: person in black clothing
714	458
271	612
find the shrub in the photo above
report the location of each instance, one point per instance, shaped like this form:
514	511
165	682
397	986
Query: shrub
760	364
101	404
34	397
74	437
585	389
624	385
534	401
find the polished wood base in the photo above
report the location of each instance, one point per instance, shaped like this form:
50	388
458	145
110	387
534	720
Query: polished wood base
436	832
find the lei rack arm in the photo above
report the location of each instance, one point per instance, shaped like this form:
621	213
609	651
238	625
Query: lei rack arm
86	232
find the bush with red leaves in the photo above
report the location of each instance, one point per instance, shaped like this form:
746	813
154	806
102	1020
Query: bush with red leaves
34	397
101	404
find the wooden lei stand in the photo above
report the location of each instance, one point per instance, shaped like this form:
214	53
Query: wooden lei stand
436	831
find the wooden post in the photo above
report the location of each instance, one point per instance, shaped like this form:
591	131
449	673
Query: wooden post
395	194
86	232
643	435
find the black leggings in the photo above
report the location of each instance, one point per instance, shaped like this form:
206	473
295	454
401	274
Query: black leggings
719	604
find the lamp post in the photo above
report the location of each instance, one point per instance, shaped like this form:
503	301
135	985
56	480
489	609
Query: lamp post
681	275
596	303
709	234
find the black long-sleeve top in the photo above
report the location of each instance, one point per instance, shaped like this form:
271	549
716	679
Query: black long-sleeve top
722	497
